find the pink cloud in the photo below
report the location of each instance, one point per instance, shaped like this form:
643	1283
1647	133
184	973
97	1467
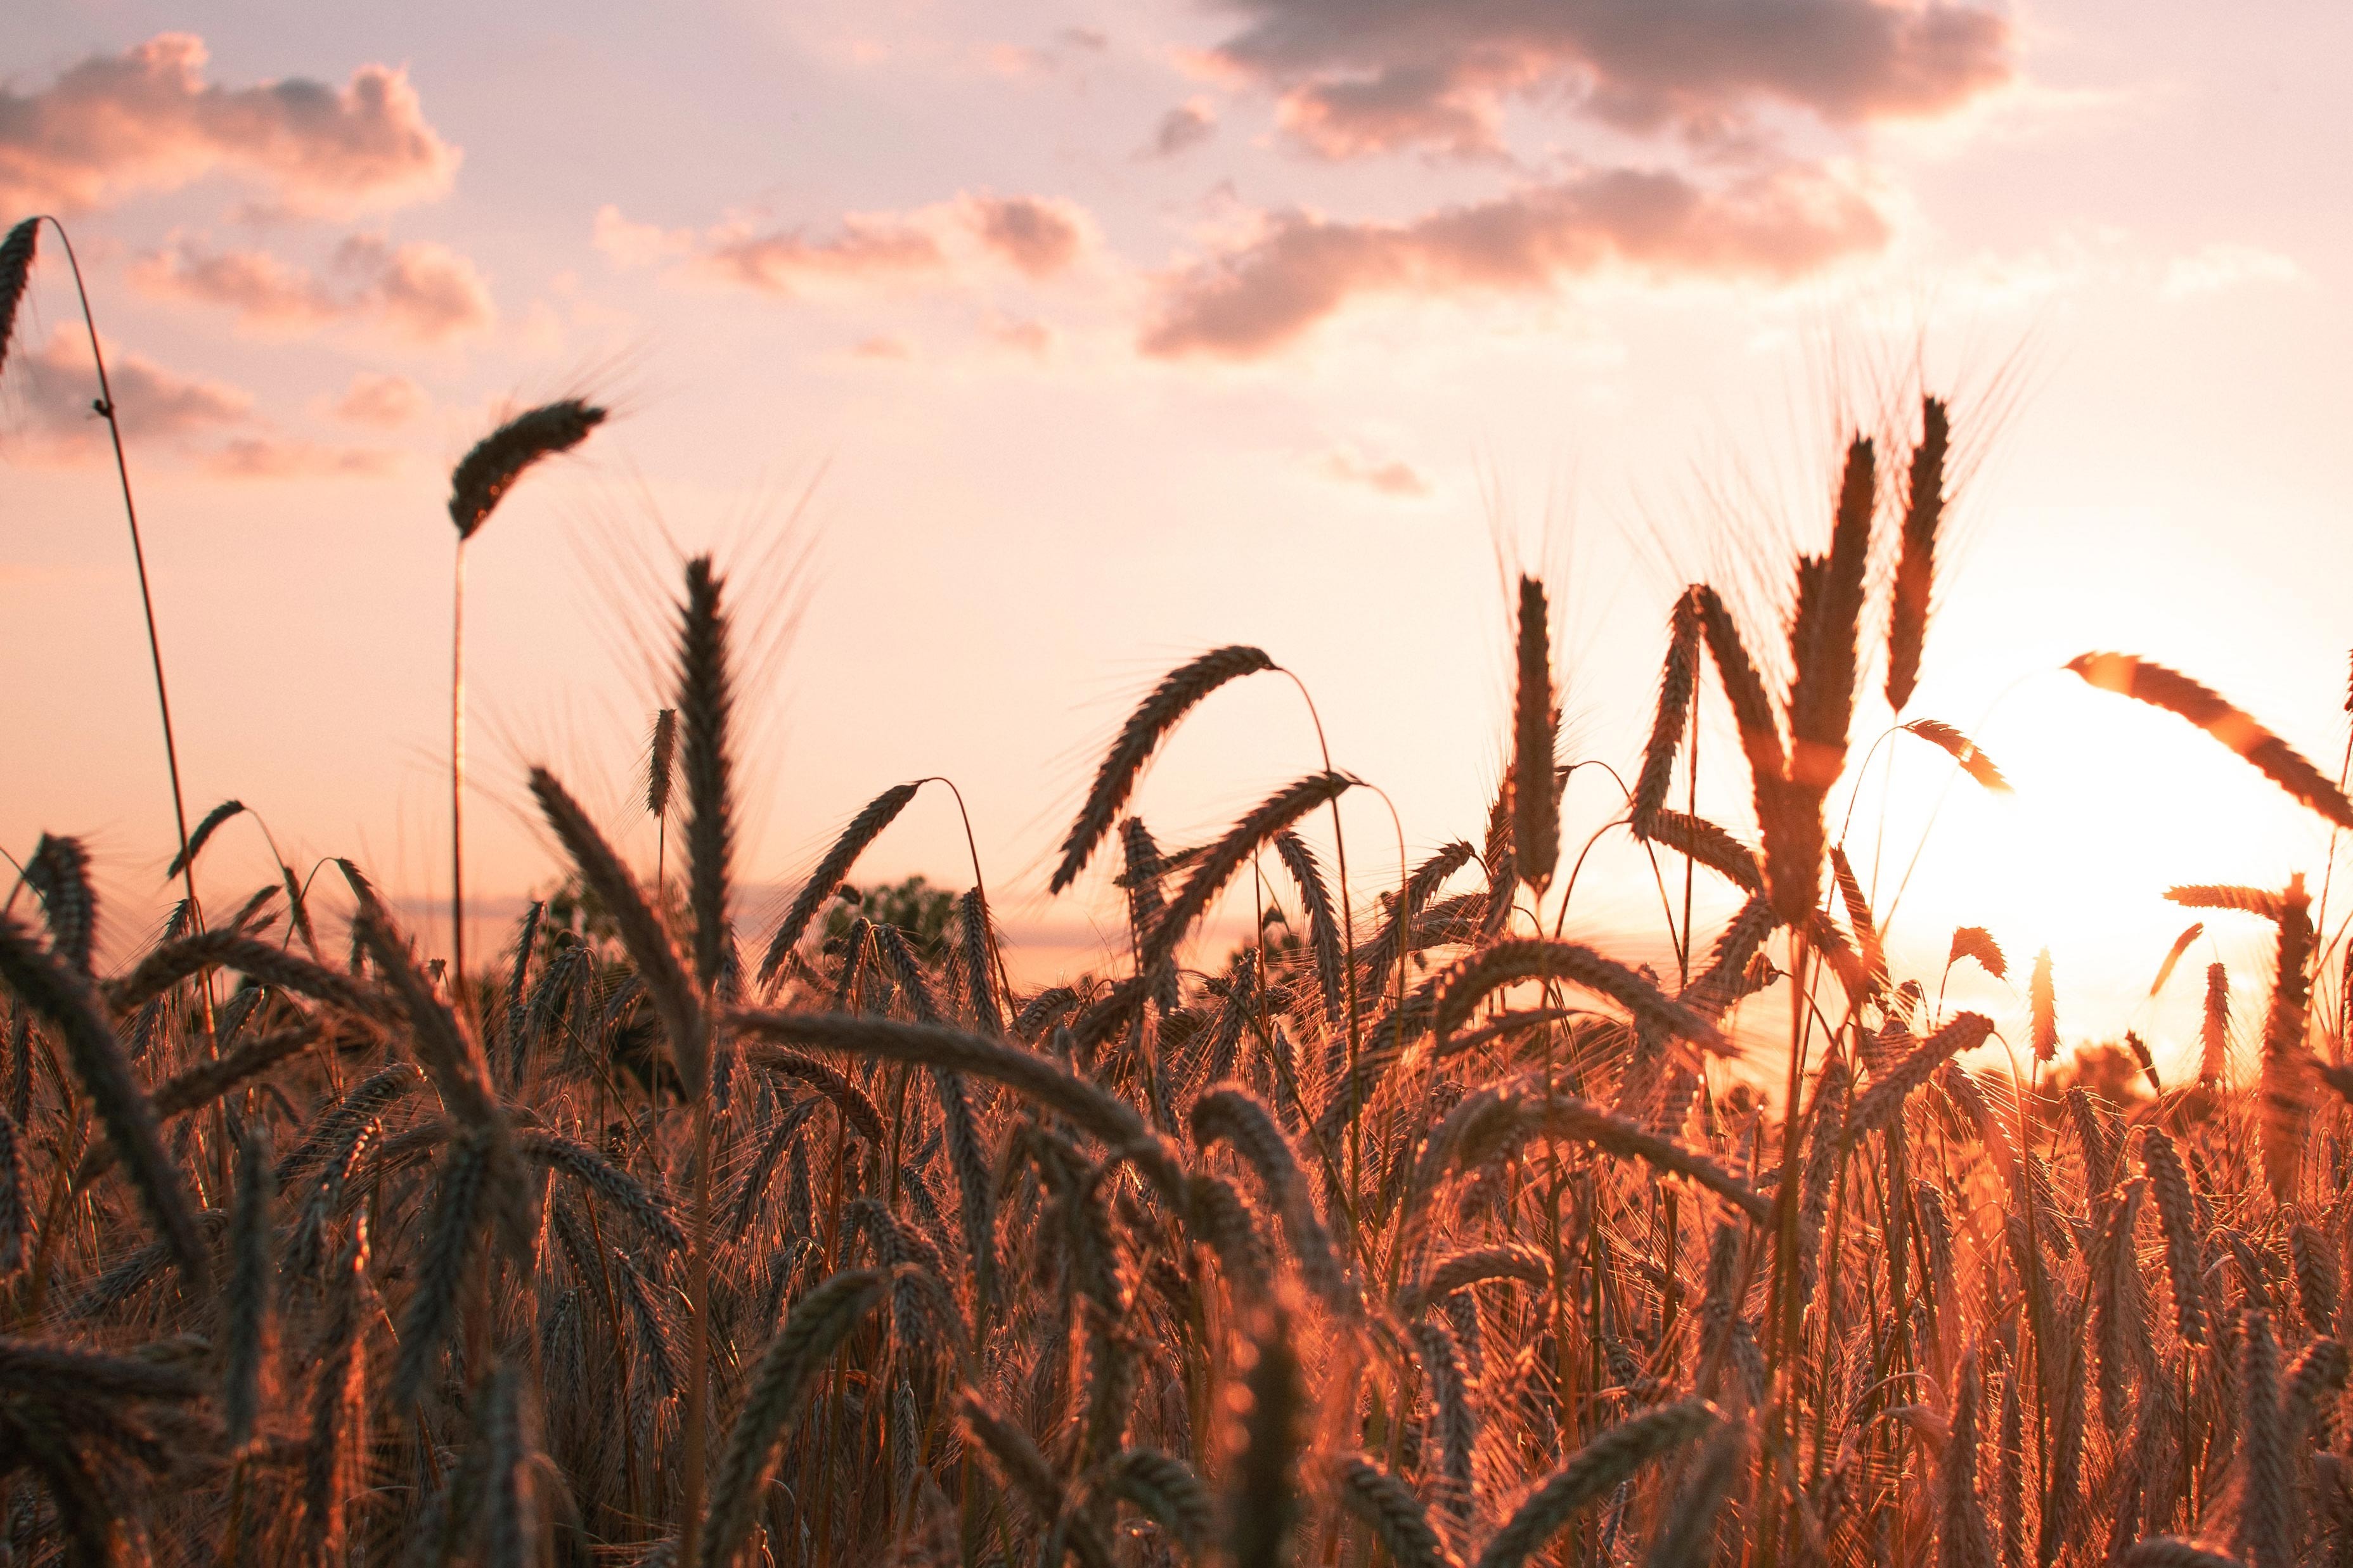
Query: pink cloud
290	457
1391	477
1183	128
1261	297
956	241
1358	77
420	290
863	247
145	119
383	401
1038	237
153	403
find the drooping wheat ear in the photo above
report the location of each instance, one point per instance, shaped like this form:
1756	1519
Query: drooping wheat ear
1823	631
1491	1121
1231	1115
1687	1535
1101	1115
592	1169
979	970
642	933
1915	566
2183	1263
2214	1030
1264	1504
819	1323
2316	1376
1676	679
706	698
1219	1220
207	1081
2265	1535
1506	963
2217	896
1221	859
1962	1538
1592	1470
1322	920
975	1170
460	1196
59	871
16	1221
47	988
205	830
486	473
2286	1083
1977	943
1452	1420
1477	1265
1536	723
2173	955
1378	958
66	1374
250	1284
2176	693
1962	750
338	1406
2042	1004
863	830
1166	1489
1879	1105
857	1109
15	269
1180	691
365	1100
509	1525
227	948
661	761
1388	1507
2315	1278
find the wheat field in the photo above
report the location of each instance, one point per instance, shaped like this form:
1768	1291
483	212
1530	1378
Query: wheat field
1405	1231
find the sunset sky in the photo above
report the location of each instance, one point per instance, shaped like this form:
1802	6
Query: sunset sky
1012	355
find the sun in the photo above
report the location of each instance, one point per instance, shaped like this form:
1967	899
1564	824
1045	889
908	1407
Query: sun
2111	803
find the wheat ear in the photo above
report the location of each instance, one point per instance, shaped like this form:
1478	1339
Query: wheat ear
819	1323
1536	722
1388	1507
1510	962
1180	691
49	990
2176	693
1916	565
862	830
1592	1470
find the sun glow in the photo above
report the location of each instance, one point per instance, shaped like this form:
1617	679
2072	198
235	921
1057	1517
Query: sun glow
2112	805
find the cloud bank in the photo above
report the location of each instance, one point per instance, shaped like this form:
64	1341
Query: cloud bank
1360	77
1264	295
145	119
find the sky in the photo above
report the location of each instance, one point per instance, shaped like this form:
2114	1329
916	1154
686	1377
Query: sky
1008	356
